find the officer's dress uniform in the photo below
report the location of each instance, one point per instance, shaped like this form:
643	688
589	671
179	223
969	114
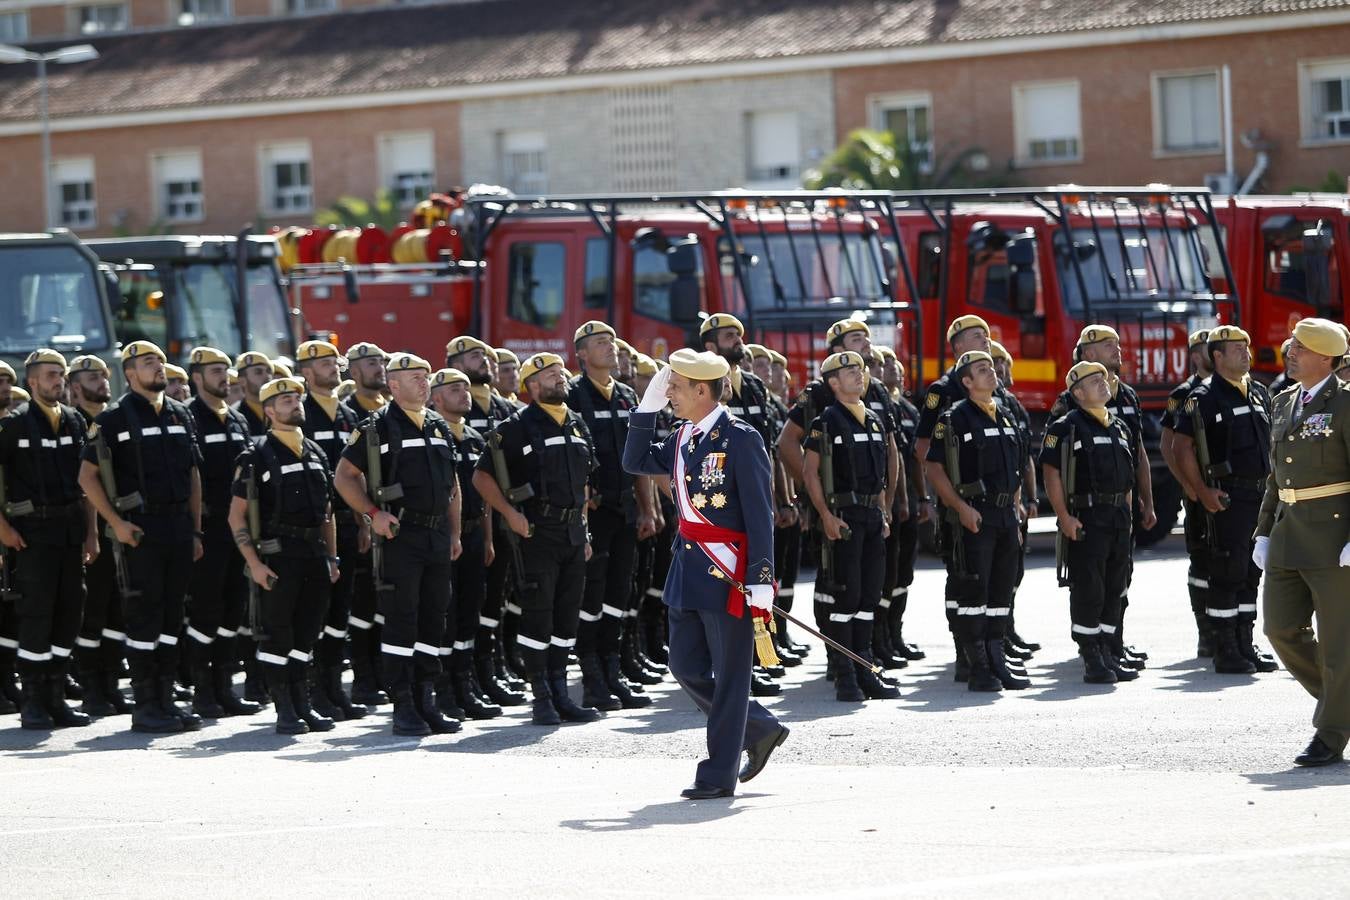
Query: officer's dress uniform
613	526
988	477
1237	431
294	490
556	459
858	454
41	460
1197	541
722	480
1099	563
415	452
1304	576
154	454
330	426
364	620
218	589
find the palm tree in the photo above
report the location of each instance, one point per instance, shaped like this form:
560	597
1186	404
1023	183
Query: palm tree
877	160
354	211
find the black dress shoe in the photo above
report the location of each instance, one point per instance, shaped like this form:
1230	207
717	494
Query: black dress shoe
1317	754
757	754
702	790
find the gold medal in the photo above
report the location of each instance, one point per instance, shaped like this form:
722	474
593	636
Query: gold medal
719	500
700	501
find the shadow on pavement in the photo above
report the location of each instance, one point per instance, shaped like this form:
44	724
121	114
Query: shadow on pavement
677	812
1299	778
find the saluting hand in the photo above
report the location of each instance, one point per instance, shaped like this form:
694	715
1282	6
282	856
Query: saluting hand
654	398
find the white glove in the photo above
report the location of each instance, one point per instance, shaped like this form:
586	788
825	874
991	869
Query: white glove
1262	550
761	596
654	398
1345	556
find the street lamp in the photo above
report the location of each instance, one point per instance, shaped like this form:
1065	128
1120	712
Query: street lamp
72	54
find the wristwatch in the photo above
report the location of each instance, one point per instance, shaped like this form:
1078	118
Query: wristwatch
335	560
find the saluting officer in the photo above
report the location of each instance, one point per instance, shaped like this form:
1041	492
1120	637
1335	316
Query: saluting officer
421	532
99	647
294	559
50	528
331	425
902	547
1197	551
155	510
1303	534
1094	514
255	370
975	465
854	519
365	366
217	592
1225	427
621	514
457	690
547	447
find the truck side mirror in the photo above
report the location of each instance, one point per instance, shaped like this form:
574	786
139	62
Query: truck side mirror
1317	244
1022	291
1021	252
682	257
685	301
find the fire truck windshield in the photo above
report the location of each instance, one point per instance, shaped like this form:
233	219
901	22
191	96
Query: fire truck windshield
51	300
206	308
799	268
1131	266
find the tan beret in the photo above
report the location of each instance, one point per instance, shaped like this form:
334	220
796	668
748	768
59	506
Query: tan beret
1321	336
45	355
884	352
624	346
408	362
1198	337
757	351
345	389
836	332
644	365
365	350
18	395
89	363
537	363
315	350
1228	333
175	373
965	323
278	386
720	320
280	369
467	343
1095	334
594	327
836	361
507	356
970	357
204	356
142	348
445	377
252	358
696	366
7	369
777	358
998	351
1083	370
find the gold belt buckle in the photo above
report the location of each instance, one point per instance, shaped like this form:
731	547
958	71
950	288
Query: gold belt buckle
1288	495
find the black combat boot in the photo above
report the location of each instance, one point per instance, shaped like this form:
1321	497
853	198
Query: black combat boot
542	710
300	694
620	688
634	666
447	703
1123	655
319	701
595	690
962	671
563	702
846	687
505	671
255	688
9	689
466	693
112	689
1123	672
1095	670
1020	642
1012	680
147	715
787	653
222	672
1228	658
406	718
425	697
365	685
761	685
62	714
874	688
189	719
96	701
332	680
288	718
33	705
1204	642
982	678
1264	662
653	633
800	649
485	673
204	700
883	651
1012	651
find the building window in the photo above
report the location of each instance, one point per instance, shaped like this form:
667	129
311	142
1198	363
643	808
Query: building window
73	185
775	152
1186	112
199	12
524	161
1326	100
13	27
178	179
1046	122
103	17
910	118
407	165
287	184
297	7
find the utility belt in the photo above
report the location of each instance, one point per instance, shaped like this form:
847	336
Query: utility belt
1000	501
840	501
1300	495
560	515
421	520
469	526
29	510
1238	481
1089	501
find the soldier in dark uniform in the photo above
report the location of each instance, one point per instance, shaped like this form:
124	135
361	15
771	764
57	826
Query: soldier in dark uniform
1228	416
975	466
547	447
1095	516
155	468
1101	344
49	528
621	514
507	382
1284	380
99	647
365	366
10	696
1014	645
654	554
421	534
1197	551
217	592
331	425
475	358
294	560
457	690
255	370
902	547
726	522
855	520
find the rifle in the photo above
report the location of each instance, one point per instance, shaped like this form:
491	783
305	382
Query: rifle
121	504
8	593
830	587
1068	467
381	495
1211	472
514	496
264	548
960	574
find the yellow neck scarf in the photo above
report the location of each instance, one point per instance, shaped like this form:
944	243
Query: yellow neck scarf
1113	382
1242	384
53	413
327	404
294	440
557	411
858	409
735	376
1101	414
456	428
418	416
373	403
606	390
990	408
482	395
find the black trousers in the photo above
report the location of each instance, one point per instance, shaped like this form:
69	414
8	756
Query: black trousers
417	565
1099	569
50	580
787	559
331	648
1234	580
902	549
498	596
609	581
859	569
1197	551
217	597
555	576
991	560
160	572
293	611
469	576
102	637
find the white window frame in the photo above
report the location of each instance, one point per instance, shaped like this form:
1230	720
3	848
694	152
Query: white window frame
536	180
160	187
1160	148
1309	127
78	25
879	104
59	204
268	154
183	12
755	175
384	152
1022	158
21	33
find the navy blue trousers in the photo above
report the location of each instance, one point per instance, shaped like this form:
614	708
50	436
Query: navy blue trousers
711	655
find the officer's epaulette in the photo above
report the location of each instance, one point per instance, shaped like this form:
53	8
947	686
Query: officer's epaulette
743	425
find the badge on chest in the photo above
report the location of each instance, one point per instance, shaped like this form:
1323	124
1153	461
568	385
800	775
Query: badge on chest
712	471
1316	426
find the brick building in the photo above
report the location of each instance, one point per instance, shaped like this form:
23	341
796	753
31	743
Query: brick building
273	108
